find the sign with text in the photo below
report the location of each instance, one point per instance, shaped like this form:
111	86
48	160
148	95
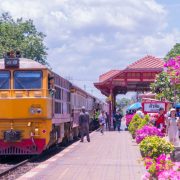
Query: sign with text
153	107
11	62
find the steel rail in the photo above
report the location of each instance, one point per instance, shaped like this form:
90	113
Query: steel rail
5	172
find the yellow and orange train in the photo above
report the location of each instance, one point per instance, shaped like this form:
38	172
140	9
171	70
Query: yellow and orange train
38	108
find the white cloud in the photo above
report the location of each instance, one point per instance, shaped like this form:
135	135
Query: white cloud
89	37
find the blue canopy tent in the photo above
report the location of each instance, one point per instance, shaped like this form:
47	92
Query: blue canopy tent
177	105
135	106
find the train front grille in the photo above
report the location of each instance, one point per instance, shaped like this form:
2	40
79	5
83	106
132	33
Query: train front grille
12	150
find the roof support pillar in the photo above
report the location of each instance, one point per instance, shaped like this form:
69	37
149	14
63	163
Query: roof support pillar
111	106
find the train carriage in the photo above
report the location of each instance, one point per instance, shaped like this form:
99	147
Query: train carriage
38	108
80	98
25	113
61	107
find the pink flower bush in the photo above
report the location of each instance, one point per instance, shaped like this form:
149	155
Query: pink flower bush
146	176
129	118
169	174
147	131
161	168
148	162
173	66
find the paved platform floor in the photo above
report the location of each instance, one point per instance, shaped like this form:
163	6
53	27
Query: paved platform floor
112	156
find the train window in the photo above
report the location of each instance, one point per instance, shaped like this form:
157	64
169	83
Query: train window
69	97
57	107
58	93
4	80
27	79
62	110
61	94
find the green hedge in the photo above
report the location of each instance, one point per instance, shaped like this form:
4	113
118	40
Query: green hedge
153	146
137	123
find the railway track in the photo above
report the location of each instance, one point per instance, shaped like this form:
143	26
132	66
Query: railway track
11	168
9	171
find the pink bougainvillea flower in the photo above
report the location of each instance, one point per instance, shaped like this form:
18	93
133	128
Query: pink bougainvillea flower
146	131
146	176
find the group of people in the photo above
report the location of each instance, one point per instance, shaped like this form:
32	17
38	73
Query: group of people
84	120
169	124
102	119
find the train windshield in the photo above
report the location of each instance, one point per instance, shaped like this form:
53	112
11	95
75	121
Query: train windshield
27	80
4	80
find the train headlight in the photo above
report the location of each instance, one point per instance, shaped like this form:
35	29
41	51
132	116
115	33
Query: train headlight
32	110
36	131
39	110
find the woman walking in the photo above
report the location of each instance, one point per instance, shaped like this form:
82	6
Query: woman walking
172	126
102	121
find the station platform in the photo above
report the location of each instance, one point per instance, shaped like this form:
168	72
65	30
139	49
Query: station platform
112	156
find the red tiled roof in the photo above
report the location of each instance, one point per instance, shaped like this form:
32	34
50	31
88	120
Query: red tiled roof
108	75
148	62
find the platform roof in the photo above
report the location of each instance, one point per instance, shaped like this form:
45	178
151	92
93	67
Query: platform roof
147	63
135	77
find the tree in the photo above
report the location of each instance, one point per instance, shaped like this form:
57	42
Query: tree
123	102
175	51
167	83
163	87
23	36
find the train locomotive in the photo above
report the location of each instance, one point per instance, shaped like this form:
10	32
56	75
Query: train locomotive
38	108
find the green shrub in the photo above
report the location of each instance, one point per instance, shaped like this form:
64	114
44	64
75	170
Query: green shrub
143	122
134	124
153	146
137	123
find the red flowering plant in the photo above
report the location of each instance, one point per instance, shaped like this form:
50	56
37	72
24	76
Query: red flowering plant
173	66
146	131
161	168
167	83
173	70
128	118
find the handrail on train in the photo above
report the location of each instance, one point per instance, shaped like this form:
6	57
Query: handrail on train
5	93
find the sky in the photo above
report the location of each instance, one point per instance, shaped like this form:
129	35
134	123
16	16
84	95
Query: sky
87	38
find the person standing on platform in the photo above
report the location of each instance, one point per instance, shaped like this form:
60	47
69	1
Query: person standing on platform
160	122
114	121
172	127
84	124
178	113
102	121
96	122
107	121
117	118
140	113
